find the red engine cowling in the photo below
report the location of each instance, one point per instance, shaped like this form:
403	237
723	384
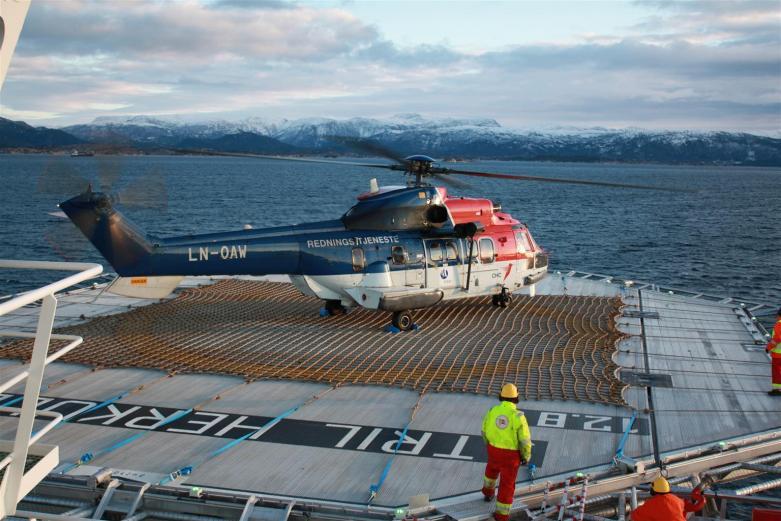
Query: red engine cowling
467	210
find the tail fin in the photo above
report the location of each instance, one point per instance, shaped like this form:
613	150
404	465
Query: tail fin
120	242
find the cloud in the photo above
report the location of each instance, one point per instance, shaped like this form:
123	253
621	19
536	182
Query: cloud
677	58
715	23
26	115
190	31
697	64
252	4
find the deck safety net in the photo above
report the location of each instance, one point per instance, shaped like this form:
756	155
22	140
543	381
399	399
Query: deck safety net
550	346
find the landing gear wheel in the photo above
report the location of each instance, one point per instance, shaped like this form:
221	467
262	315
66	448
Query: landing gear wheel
503	299
334	307
402	320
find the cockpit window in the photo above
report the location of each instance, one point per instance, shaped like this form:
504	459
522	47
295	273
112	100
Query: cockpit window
526	242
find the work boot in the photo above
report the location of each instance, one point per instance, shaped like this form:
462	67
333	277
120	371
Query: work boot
487	498
775	392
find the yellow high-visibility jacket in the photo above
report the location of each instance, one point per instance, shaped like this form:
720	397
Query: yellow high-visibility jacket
505	427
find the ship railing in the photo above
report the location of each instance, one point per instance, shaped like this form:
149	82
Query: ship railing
607	493
753	309
25	462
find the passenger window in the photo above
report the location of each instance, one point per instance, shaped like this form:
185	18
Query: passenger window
486	250
399	255
435	252
359	260
475	250
451	250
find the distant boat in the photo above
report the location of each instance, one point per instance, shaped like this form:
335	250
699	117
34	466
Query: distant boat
76	153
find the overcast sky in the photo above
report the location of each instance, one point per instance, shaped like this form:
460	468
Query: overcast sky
713	65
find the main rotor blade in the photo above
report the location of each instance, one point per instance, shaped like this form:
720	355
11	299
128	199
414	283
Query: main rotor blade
561	180
369	146
285	158
451	181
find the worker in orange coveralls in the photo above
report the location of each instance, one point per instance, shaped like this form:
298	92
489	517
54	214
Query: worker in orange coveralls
774	348
508	440
664	506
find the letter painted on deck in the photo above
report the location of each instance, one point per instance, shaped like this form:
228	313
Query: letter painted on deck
352	430
417	445
205	425
114	415
457	450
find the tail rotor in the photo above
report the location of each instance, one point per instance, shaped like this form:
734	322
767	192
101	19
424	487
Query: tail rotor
104	179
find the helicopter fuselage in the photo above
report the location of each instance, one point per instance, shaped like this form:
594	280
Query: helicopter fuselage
398	248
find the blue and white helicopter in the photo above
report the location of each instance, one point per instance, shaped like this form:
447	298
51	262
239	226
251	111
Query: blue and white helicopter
399	248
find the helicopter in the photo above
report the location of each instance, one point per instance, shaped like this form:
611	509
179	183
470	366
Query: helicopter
397	249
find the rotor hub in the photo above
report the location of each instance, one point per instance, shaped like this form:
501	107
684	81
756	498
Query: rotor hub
419	166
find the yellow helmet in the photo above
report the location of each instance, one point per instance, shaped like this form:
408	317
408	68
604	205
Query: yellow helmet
660	485
509	391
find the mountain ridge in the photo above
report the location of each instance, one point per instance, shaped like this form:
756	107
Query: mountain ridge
474	138
20	134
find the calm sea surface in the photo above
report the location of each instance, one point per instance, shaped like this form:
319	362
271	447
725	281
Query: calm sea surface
725	238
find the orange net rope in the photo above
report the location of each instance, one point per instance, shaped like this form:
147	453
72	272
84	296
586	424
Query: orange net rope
551	347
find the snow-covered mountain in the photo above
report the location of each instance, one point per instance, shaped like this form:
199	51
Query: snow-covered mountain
443	137
306	132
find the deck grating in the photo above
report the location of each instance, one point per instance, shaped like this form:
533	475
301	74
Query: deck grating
551	346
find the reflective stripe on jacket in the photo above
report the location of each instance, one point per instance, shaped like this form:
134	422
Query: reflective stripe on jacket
774	346
505	427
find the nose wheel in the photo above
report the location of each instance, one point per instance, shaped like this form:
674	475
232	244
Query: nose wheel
402	320
503	299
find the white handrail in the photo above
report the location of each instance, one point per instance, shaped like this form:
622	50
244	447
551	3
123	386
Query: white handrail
58	418
86	271
11	486
75	341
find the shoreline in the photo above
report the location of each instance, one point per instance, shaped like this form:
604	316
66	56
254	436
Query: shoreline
222	153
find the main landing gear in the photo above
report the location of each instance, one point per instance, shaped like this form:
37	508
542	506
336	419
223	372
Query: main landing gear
402	320
503	299
334	307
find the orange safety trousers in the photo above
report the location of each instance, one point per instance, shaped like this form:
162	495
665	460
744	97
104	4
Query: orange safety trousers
776	364
502	464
